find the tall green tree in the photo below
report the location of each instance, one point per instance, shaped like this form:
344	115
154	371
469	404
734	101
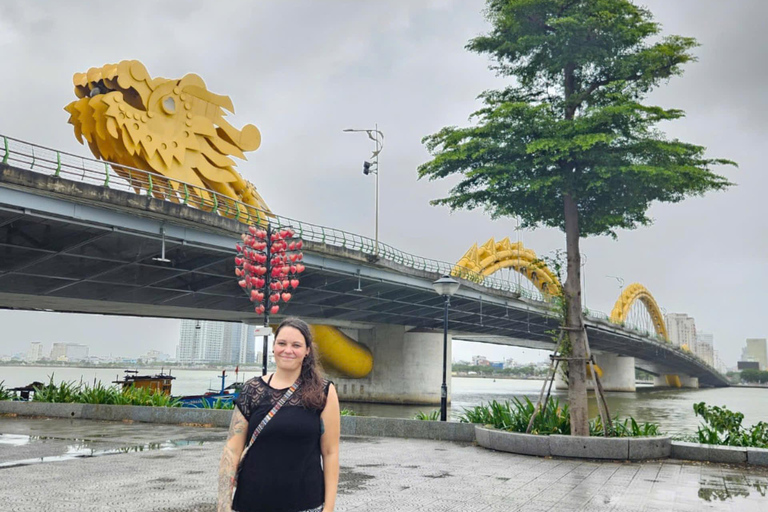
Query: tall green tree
569	143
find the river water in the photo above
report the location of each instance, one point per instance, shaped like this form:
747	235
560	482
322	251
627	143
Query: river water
672	409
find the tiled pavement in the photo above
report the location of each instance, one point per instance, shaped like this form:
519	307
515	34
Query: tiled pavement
167	468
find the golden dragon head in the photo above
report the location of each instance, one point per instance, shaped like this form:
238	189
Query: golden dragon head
175	128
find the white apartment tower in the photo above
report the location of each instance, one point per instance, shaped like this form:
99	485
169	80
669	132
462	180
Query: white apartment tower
69	352
35	352
202	341
681	329
704	347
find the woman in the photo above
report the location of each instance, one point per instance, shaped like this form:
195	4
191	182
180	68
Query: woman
293	465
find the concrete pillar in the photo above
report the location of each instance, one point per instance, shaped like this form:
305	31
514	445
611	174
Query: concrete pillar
618	373
407	367
676	381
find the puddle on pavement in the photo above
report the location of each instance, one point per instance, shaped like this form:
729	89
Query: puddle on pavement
81	448
351	481
732	486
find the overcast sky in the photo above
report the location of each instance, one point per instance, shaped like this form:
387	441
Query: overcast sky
302	71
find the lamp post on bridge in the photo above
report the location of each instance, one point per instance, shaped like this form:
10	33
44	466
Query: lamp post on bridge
446	287
373	168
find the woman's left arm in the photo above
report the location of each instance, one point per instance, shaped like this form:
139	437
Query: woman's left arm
329	445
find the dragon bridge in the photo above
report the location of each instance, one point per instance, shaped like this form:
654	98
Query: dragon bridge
481	261
175	128
635	292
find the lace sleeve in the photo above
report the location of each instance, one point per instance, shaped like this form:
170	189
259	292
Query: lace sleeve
245	400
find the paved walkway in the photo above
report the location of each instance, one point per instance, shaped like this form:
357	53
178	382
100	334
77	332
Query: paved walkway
142	467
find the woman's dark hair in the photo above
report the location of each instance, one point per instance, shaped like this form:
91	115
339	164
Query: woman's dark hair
312	385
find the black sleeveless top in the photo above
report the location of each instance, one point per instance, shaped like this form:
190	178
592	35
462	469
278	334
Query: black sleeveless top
282	471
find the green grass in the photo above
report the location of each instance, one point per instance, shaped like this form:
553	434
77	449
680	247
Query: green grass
348	412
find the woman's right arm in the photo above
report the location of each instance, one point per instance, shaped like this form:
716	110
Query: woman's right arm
238	430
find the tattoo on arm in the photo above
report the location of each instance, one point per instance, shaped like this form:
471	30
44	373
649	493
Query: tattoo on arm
230	457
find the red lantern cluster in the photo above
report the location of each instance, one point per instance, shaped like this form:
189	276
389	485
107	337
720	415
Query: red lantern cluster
268	264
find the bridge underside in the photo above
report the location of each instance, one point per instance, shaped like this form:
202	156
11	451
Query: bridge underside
62	249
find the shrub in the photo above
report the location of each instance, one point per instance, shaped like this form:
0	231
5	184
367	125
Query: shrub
723	427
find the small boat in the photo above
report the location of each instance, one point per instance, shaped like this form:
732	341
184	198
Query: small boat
208	400
159	382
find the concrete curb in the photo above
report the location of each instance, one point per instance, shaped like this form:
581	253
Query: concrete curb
350	425
638	448
414	429
714	453
170	415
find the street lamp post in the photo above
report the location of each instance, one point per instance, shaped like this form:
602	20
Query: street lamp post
446	287
378	138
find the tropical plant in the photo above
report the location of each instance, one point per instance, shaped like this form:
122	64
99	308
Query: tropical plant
627	428
427	416
65	392
218	404
569	143
515	415
5	394
724	427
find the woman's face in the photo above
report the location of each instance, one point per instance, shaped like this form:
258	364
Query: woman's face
290	349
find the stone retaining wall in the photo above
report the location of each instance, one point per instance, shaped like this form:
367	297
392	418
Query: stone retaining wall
350	425
637	448
626	448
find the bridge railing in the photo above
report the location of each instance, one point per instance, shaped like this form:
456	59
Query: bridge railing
47	161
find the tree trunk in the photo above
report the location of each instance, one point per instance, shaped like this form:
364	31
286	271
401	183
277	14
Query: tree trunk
577	370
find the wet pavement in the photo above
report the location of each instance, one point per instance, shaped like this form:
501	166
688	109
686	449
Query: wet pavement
79	465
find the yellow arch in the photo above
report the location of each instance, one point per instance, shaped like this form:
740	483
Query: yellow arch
634	292
482	261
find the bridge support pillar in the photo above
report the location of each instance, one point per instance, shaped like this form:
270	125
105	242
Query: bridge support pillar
618	373
407	367
676	381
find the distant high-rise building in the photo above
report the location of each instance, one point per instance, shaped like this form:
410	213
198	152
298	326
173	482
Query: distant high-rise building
35	352
704	347
202	341
681	329
756	350
69	352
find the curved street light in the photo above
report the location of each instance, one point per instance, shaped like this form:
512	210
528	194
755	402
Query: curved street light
446	286
378	138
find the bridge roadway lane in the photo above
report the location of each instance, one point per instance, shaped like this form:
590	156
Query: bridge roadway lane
76	247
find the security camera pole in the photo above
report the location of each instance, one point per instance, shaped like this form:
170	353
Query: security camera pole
373	168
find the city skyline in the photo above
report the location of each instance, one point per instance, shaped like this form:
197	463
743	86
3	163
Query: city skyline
701	257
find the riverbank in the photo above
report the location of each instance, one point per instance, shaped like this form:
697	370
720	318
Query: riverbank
88	466
494	377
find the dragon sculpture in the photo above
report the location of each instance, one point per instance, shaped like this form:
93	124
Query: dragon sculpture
173	129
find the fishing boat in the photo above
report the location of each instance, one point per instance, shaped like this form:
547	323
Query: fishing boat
209	400
159	383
